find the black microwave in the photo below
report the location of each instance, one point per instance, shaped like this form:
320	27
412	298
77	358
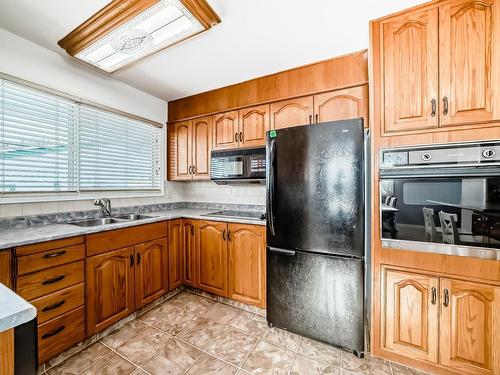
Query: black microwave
238	166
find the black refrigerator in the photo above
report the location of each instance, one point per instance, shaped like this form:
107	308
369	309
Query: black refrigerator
315	187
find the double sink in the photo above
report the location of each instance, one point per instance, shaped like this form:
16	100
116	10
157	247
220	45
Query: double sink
109	220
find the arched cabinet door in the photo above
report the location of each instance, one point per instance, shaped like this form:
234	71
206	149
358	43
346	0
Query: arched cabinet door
254	123
342	105
292	112
470	327
410	66
410	314
175	254
225	130
189	248
202	145
180	150
110	288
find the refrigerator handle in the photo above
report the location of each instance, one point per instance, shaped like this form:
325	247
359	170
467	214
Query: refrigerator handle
270	185
290	253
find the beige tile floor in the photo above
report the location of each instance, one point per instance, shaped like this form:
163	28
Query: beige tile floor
190	334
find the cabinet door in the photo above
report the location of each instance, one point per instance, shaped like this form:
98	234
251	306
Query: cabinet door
469	53
470	327
175	254
151	271
110	288
225	130
189	248
211	253
254	123
293	112
202	145
410	314
410	71
342	105
247	263
180	154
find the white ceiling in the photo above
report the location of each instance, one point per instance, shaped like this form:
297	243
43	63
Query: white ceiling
255	38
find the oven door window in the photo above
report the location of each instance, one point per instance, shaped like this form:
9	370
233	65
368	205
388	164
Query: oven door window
456	211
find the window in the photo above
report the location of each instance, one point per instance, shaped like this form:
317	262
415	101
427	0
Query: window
53	144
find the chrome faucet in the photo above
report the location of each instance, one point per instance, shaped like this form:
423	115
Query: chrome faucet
105	205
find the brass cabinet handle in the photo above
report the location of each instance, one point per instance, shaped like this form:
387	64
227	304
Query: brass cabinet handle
54	306
236	137
310	119
54	332
131	260
53	255
194	169
433	104
224	235
434	296
229	235
445	106
138	258
241	136
53	280
192	230
446	301
317	118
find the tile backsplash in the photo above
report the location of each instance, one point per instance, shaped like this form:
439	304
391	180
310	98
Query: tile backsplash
199	191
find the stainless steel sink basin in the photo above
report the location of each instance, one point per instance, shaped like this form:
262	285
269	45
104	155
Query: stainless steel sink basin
96	222
131	217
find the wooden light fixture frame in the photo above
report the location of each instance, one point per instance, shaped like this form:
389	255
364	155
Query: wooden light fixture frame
119	12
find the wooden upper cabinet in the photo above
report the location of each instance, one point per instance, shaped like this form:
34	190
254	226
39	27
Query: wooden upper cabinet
342	105
202	145
470	327
110	288
211	253
151	271
469	58
410	71
225	130
247	263
180	154
189	248
410	315
292	112
253	125
175	254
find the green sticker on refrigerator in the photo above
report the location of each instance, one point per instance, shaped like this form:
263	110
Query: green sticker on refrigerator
272	134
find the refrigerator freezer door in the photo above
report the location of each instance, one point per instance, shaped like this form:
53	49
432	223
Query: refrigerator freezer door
317	296
315	192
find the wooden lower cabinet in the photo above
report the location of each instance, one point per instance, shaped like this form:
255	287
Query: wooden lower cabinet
189	252
151	271
7	351
247	263
410	316
175	254
110	288
211	253
470	327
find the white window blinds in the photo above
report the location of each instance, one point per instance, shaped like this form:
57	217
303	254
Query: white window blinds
117	153
37	140
49	143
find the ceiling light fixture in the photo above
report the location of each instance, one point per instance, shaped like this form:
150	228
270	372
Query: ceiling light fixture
127	30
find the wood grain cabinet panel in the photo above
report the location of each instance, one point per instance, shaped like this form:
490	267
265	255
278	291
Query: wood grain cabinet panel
189	248
469	55
410	71
110	288
175	254
292	112
211	253
253	125
181	152
225	130
470	327
6	268
411	314
247	263
342	105
151	271
7	352
202	141
60	302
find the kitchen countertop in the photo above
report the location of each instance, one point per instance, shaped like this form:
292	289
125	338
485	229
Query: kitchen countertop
40	233
14	310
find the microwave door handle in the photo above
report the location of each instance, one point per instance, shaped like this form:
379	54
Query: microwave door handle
270	185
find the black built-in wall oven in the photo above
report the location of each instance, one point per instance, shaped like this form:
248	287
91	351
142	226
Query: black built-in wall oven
442	198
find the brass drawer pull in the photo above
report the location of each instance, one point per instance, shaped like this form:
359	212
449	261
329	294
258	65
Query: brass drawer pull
54	306
54	332
53	255
446	298
53	280
445	105
434	296
433	110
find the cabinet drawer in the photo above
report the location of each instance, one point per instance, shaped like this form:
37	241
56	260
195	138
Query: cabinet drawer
60	333
50	258
60	302
48	245
44	282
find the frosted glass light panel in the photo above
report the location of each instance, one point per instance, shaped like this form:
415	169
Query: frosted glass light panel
165	23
